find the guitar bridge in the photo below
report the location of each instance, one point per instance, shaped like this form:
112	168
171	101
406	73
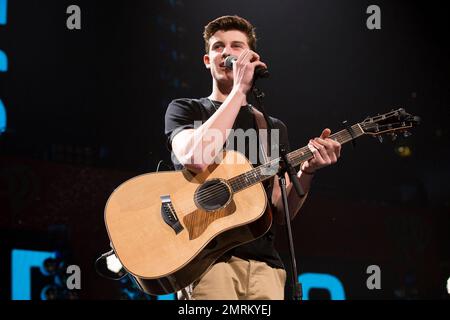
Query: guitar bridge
169	215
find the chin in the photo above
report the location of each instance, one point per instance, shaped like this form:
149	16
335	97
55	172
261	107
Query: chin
224	78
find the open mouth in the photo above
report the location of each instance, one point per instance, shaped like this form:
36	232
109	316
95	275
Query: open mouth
222	67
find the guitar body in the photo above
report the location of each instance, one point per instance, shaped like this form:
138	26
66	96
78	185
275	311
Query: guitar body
166	239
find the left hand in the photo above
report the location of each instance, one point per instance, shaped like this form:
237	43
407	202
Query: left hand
326	151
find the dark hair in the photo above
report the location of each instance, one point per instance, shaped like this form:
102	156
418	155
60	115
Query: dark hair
227	23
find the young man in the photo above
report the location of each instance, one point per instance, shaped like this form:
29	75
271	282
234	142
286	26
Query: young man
253	270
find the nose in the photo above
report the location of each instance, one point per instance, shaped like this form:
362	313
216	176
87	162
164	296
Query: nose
226	52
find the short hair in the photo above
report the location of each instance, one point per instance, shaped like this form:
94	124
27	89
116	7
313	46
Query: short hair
226	23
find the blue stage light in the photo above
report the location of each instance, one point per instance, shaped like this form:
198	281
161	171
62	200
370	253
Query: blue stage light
3	11
2	118
322	281
21	263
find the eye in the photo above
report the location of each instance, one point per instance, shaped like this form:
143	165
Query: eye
218	45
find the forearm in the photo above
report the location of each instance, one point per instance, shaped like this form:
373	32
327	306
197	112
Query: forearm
325	152
295	202
204	144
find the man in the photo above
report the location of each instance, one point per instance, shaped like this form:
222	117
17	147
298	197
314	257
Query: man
253	270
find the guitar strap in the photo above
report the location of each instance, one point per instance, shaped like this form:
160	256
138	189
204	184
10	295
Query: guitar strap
262	134
264	142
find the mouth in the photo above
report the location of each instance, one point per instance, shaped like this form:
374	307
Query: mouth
223	68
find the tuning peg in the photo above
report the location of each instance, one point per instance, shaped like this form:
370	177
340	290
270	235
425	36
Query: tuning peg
380	138
406	134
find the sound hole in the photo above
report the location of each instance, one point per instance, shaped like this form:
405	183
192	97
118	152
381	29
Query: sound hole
212	195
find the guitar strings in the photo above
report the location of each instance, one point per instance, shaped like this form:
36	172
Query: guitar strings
213	193
343	136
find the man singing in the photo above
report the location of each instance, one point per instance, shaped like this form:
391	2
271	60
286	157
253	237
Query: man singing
253	270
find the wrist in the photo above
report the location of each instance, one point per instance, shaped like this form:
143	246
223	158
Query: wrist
307	173
240	91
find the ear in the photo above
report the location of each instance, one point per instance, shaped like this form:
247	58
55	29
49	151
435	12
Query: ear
207	61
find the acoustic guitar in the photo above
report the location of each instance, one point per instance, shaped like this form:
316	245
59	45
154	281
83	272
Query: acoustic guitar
168	228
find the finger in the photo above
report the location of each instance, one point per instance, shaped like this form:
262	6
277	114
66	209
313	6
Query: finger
331	145
326	143
243	56
250	56
316	153
259	64
254	56
338	149
333	157
335	146
325	133
322	151
313	149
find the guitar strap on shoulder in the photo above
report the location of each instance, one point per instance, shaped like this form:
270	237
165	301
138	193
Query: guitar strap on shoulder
262	134
264	142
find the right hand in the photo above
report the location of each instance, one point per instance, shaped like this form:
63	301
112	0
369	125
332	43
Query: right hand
244	68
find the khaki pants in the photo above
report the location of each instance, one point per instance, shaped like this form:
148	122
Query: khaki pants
239	279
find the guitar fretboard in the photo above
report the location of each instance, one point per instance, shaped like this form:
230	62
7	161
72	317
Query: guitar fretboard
296	157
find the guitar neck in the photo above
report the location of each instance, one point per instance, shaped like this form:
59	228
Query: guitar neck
296	157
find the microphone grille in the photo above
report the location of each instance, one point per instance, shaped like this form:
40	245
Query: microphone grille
228	63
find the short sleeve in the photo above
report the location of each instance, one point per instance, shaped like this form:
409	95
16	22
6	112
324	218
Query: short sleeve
180	115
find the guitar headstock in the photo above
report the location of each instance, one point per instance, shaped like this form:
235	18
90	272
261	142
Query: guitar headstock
391	123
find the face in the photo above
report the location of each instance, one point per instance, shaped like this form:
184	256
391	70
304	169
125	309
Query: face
221	45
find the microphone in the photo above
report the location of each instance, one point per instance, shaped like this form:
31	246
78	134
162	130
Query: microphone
260	72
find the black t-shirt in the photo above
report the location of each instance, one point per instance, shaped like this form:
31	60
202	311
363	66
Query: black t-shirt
181	114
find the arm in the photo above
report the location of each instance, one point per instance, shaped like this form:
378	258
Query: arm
197	148
326	152
189	145
294	201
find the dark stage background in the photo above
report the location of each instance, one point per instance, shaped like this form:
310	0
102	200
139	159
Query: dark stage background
85	112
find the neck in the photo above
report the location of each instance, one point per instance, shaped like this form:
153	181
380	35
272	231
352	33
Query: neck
295	158
221	91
